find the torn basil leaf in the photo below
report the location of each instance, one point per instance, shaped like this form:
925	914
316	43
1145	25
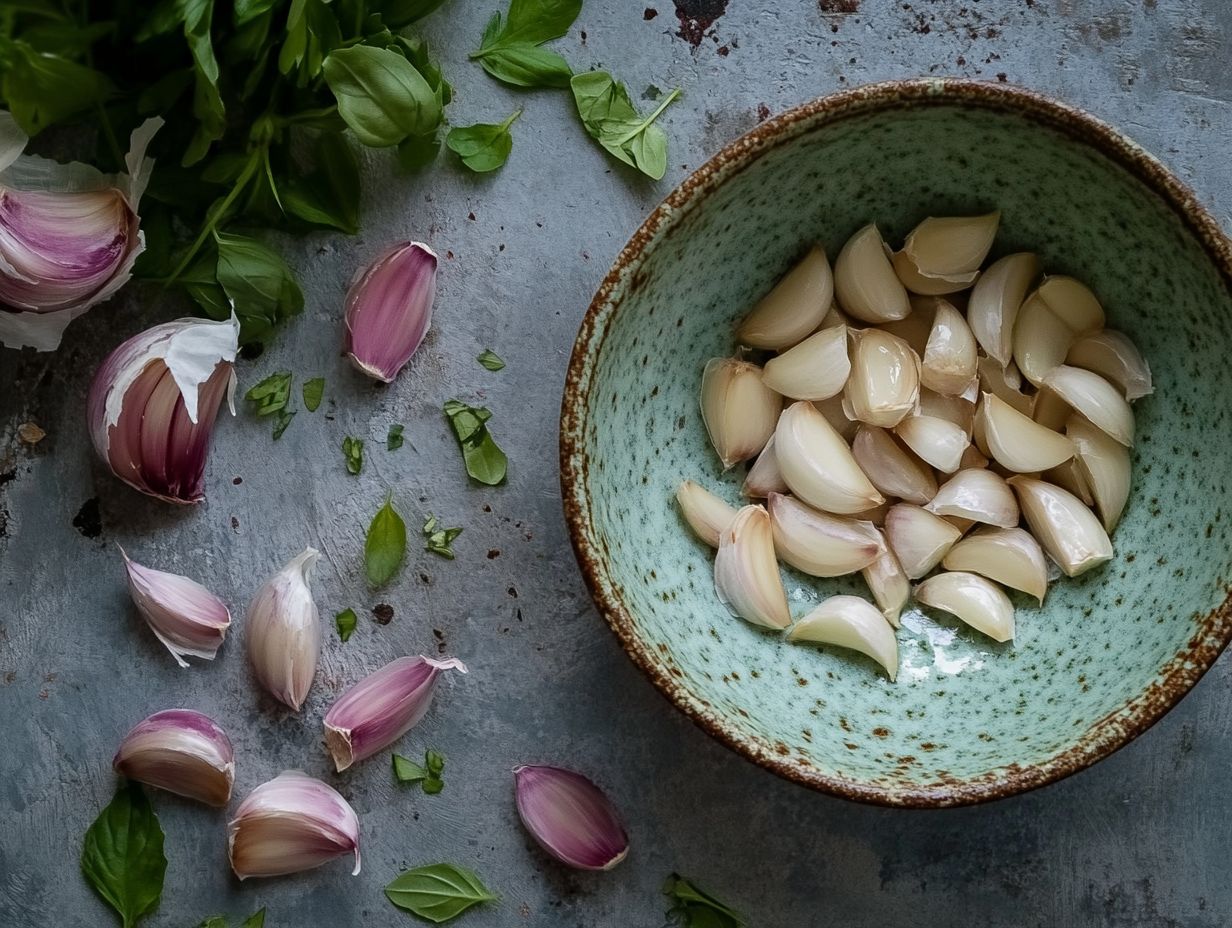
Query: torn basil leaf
393	441
439	540
484	460
484	146
346	622
695	908
611	119
491	360
314	389
353	451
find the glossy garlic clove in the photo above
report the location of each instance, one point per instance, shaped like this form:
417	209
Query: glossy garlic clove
746	572
739	411
764	477
995	300
1073	303
1018	443
864	280
1005	384
853	623
1105	466
938	442
817	464
1067	530
796	306
978	495
956	409
888	583
894	471
1041	340
820	544
1010	556
918	538
884	386
948	364
1096	399
1114	357
976	601
815	369
706	514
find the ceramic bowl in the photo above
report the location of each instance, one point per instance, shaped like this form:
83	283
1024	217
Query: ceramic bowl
968	720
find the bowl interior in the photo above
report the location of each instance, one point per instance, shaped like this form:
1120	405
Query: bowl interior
968	719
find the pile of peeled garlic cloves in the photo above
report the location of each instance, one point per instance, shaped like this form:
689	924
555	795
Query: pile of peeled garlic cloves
913	408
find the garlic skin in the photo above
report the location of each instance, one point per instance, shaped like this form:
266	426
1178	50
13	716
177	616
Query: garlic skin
153	402
995	300
1073	303
382	707
184	615
764	477
815	369
978	495
938	442
69	235
918	538
864	280
283	632
1114	357
181	751
888	583
1095	398
1067	530
795	307
892	470
1041	340
570	817
853	623
820	544
706	513
1105	467
884	387
746	573
1018	443
288	824
739	411
389	309
817	464
1010	556
948	364
973	599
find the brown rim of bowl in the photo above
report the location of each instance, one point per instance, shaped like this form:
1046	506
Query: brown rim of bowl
1107	735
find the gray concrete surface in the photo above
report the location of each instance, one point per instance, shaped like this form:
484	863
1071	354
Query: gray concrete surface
1140	840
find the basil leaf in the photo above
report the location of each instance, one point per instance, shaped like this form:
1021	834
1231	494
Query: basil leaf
408	771
485	462
527	66
394	440
433	785
346	621
69	40
435	762
385	545
399	13
535	22
381	95
610	118
122	856
200	280
695	908
271	395
161	95
484	146
491	360
313	390
281	422
207	105
353	451
439	540
416	152
330	195
261	286
437	892
42	89
251	9
509	51
255	920
312	33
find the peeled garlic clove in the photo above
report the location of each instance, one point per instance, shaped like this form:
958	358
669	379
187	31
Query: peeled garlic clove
864	280
818	543
954	409
1008	555
184	615
764	477
181	751
1018	443
980	603
1004	383
1041	340
739	411
832	410
892	470
915	328
853	623
835	317
284	631
915	281
1069	476
876	515
949	362
1096	399
936	441
951	245
979	495
794	308
918	538
884	386
746	573
1073	303
817	464
1105	466
570	817
389	310
706	514
1114	357
888	583
1066	529
995	300
815	369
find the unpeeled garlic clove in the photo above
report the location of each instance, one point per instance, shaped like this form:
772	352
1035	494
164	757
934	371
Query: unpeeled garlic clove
1066	529
884	386
1114	357
764	477
739	411
389	309
937	442
818	543
817	464
184	615
978	495
918	538
853	623
1004	383
888	583
1009	556
706	514
795	307
1105	466
815	369
1096	399
1073	303
864	280
948	364
951	246
976	601
891	469
284	631
1041	340
1018	443
995	300
570	817
746	573
181	751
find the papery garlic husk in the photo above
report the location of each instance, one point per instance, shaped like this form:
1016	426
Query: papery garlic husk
916	327
153	402
389	309
815	369
1096	399
995	300
1018	443
954	409
832	410
184	615
69	235
979	495
888	583
891	469
820	544
864	280
937	442
1069	476
884	387
918	538
706	513
1050	410
795	307
951	247
288	824
1105	466
181	751
764	477
853	623
1073	303
746	573
1114	357
817	464
1067	530
976	601
1004	383
283	631
570	817
382	707
739	411
1041	340
948	364
1009	556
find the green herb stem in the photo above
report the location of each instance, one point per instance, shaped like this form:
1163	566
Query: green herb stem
211	223
620	140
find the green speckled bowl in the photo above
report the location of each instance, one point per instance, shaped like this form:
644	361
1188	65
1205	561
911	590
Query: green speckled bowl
968	720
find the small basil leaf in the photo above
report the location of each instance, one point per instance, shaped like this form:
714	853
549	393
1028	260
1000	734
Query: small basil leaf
394	440
346	621
271	395
416	152
610	118
435	762
353	451
381	95
313	390
527	66
385	545
208	106
251	9
259	282
437	892
281	421
122	856
484	460
491	360
408	771
484	146
537	21
312	33
439	540
255	920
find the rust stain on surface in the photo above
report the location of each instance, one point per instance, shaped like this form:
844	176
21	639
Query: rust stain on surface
696	17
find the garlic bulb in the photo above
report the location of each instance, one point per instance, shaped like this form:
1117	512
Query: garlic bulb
1066	529
853	623
794	308
1105	467
1019	444
888	583
746	574
739	411
1115	358
818	466
389	309
937	442
995	300
820	544
892	470
764	477
284	631
949	362
976	601
815	369
979	495
944	254
706	514
864	280
1095	398
1009	556
884	387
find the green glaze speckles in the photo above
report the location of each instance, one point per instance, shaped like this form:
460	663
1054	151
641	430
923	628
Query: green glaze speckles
968	719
